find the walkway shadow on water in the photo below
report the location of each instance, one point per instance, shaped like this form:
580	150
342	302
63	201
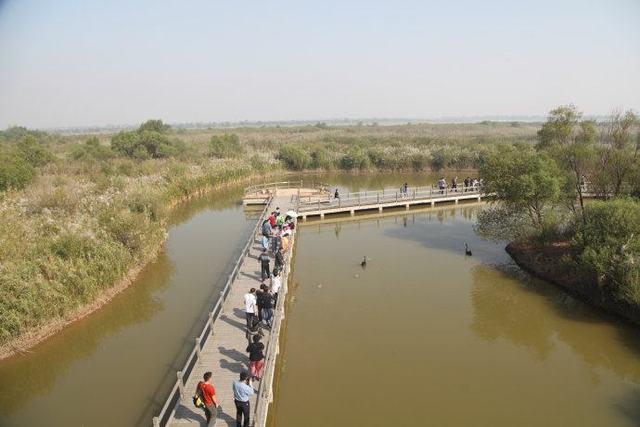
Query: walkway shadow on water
501	308
630	406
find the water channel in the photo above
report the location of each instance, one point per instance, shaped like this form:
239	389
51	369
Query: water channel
427	336
422	336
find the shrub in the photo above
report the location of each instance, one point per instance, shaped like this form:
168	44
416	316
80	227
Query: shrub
608	246
145	144
68	246
320	159
258	163
91	150
294	157
15	171
354	159
33	152
225	146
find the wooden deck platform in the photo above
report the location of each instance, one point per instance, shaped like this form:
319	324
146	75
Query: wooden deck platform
223	349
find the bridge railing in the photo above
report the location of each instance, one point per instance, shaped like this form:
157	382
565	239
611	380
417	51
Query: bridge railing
178	391
272	186
364	198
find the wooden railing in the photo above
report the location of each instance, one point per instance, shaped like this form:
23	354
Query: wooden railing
272	186
178	391
364	198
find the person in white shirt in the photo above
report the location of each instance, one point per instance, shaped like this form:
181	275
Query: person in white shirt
250	306
276	283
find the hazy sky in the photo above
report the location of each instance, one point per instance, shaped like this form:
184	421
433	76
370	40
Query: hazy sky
90	62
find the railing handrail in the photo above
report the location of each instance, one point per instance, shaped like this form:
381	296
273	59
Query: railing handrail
275	185
386	196
285	184
164	414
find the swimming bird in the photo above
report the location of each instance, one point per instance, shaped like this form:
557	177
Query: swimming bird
363	264
467	252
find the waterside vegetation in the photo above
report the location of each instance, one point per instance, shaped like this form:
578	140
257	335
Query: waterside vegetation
590	247
80	213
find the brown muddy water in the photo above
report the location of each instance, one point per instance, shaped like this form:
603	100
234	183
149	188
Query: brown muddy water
425	336
116	367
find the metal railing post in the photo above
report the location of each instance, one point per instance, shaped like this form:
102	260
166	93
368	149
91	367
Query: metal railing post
198	348
180	384
211	319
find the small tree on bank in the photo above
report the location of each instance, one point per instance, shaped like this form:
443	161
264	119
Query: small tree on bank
570	141
527	183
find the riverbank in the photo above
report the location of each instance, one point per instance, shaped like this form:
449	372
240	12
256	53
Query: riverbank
547	262
175	196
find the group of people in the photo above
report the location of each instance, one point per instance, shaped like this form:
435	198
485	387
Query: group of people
469	184
276	232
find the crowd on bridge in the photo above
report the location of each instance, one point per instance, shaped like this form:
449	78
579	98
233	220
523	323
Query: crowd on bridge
259	303
468	185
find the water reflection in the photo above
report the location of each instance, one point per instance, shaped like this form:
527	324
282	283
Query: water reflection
484	343
507	304
35	372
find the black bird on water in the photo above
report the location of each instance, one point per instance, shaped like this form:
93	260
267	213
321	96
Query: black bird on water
363	264
467	252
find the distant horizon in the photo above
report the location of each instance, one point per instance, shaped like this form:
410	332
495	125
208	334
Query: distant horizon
335	121
70	64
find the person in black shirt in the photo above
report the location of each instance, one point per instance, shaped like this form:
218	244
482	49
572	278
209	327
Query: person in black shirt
259	301
256	358
265	302
279	260
264	265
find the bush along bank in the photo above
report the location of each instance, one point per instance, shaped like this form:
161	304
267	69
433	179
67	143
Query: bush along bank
546	207
68	247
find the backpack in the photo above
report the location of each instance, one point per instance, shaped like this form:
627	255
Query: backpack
198	398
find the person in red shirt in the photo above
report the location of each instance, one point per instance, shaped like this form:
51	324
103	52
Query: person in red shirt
208	395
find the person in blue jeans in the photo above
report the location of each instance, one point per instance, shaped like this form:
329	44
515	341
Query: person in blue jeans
242	392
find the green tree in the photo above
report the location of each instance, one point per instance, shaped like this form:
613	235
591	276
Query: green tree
620	154
571	142
523	180
154	126
144	144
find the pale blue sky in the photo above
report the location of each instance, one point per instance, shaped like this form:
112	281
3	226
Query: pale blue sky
89	62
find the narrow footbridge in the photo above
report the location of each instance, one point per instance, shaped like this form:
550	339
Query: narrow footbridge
319	206
220	346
